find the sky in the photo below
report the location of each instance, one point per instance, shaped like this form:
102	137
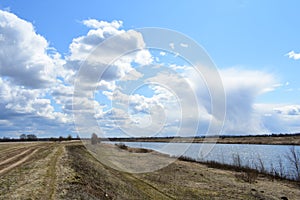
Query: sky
47	86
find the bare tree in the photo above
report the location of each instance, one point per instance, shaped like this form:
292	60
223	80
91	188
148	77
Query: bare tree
23	136
294	157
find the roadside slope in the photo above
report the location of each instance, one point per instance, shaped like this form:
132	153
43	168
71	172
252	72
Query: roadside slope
179	180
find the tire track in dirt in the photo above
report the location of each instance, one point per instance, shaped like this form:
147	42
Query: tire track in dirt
17	163
11	152
52	173
14	157
149	189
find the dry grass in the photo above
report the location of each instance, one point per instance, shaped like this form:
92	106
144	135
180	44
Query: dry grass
69	171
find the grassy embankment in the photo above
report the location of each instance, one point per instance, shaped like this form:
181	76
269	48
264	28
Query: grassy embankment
69	171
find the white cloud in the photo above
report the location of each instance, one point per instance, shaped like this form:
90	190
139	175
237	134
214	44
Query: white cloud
184	45
138	115
172	45
5	123
287	83
143	57
29	72
36	65
28	108
293	55
36	87
254	82
82	47
279	118
108	56
106	85
162	53
100	54
242	87
93	23
288	110
23	54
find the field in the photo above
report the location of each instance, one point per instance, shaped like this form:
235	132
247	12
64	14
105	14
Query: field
66	170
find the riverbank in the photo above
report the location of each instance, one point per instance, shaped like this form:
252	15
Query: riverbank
293	139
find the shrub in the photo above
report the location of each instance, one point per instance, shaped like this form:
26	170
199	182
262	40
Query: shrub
122	146
94	139
294	158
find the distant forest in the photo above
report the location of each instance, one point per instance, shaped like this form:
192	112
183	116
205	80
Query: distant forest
33	137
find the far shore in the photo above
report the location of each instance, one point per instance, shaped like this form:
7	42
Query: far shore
274	139
293	139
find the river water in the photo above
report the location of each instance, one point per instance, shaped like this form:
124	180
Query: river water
254	156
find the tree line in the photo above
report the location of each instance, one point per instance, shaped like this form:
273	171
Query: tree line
33	137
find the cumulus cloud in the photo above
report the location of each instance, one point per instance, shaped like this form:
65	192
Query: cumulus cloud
278	118
28	108
24	56
93	23
138	115
293	55
29	71
288	110
37	87
105	54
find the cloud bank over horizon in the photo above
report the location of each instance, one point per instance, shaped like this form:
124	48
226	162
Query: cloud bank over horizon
37	87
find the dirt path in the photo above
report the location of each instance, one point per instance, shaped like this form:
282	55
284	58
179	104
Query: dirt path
52	171
19	162
147	188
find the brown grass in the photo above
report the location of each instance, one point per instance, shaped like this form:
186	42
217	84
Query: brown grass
79	175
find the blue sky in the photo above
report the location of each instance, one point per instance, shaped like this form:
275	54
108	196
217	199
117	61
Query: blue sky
247	40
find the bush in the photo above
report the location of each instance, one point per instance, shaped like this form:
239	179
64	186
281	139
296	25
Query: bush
122	146
94	139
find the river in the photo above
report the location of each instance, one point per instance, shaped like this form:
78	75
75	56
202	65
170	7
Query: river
254	156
